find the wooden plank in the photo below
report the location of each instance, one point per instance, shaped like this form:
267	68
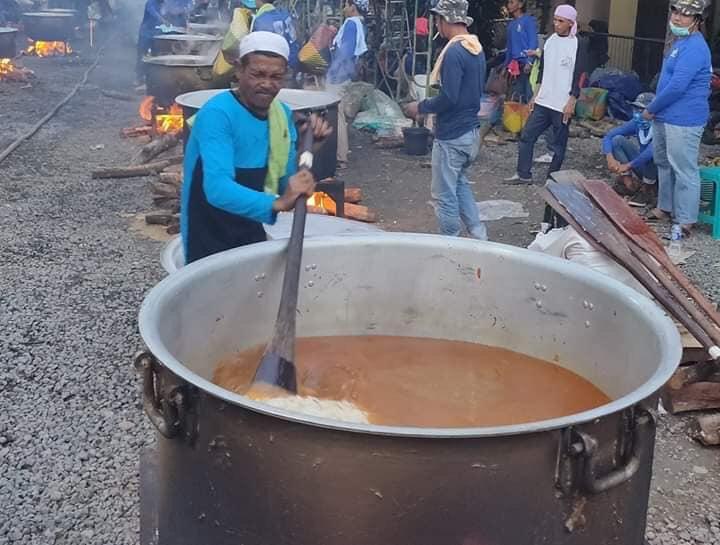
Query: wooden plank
700	396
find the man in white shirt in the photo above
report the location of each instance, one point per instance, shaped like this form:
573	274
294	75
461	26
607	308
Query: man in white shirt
553	105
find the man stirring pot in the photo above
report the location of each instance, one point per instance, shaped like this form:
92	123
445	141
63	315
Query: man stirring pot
240	162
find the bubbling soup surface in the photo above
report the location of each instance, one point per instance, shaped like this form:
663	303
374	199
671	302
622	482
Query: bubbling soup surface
407	381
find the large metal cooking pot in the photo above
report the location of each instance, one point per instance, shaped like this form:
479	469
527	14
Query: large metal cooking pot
168	76
216	29
185	44
172	257
49	26
8	47
231	470
299	100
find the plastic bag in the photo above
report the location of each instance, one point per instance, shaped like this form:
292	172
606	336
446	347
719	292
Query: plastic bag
515	115
567	244
381	114
354	97
592	103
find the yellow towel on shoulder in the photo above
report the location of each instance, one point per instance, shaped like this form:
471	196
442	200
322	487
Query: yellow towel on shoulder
279	137
468	41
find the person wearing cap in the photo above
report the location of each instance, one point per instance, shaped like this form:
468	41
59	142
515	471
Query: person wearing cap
277	20
347	47
629	150
459	72
679	113
239	168
561	66
522	36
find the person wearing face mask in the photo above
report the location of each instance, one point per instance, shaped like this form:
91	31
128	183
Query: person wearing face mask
679	113
629	151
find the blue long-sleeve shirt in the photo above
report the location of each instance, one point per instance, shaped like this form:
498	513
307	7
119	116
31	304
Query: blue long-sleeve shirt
684	86
631	128
223	200
152	18
522	34
343	64
462	78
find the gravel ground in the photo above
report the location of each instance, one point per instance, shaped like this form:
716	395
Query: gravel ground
71	426
73	278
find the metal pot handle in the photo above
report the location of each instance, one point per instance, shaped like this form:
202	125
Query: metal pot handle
643	432
165	409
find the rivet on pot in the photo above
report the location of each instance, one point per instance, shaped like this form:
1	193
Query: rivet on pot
543	288
310	284
307	268
260	294
537	286
313	266
587	324
538	304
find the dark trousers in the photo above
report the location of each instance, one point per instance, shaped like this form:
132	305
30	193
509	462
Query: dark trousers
540	120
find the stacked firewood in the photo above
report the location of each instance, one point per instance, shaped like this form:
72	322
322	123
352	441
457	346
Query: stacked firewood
606	221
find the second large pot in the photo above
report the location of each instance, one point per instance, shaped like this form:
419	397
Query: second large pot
49	27
171	75
8	47
232	470
185	44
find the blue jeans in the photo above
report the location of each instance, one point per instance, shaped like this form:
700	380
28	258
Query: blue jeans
539	121
676	152
452	197
625	150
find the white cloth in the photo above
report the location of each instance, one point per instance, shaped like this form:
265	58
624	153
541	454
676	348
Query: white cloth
360	44
559	56
263	41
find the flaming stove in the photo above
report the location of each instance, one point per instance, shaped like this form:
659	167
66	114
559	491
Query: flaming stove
41	48
164	118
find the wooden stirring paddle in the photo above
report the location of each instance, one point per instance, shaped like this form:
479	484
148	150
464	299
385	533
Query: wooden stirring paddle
277	366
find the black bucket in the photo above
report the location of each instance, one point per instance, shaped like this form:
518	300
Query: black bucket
417	140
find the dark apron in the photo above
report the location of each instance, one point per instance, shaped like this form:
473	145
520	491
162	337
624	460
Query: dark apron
211	230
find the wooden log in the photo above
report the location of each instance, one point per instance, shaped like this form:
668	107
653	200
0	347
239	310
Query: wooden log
133	132
708	430
117	95
161	189
135	171
353	195
700	396
360	213
167	203
155	148
159	218
691	374
171	178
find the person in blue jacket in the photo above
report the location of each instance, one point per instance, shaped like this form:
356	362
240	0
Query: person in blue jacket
152	18
240	160
278	20
629	149
522	36
680	112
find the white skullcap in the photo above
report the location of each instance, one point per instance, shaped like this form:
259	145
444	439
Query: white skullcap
266	42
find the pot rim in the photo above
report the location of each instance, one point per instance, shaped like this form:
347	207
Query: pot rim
669	337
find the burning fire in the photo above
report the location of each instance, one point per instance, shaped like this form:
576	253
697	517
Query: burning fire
6	68
48	49
167	120
322	203
11	72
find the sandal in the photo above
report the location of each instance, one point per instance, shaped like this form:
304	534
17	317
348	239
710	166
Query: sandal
655	214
